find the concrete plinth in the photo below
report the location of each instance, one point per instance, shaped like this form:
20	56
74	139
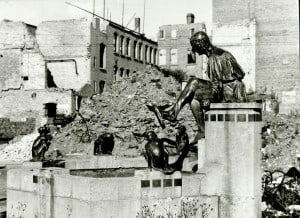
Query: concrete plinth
233	158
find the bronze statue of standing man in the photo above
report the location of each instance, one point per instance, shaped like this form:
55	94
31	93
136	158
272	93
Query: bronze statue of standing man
225	85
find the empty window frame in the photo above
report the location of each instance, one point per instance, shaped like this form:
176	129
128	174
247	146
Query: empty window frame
128	50
192	31
191	57
162	57
140	51
146	53
121	45
173	34
161	34
116	42
121	72
174	58
102	56
135	49
101	86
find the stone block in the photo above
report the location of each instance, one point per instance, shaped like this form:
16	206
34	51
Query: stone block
105	189
129	188
106	161
22	204
33	165
201	153
62	186
81	187
239	206
70	207
14	178
191	185
27	181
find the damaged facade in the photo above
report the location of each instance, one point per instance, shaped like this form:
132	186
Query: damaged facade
45	70
263	35
175	51
24	86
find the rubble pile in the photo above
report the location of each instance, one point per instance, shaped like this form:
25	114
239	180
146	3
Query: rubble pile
18	149
280	141
121	110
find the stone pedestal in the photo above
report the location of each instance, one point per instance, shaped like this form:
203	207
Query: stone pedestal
233	158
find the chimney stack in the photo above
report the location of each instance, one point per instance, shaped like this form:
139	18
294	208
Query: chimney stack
190	18
137	24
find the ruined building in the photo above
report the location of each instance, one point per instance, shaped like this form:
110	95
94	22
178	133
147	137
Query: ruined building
175	49
45	70
264	37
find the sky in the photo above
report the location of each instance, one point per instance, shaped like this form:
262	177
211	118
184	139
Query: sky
157	12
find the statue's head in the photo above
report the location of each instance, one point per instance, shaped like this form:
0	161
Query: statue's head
150	135
44	130
200	43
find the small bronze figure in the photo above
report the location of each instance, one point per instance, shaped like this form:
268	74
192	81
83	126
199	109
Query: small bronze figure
157	155
41	144
104	144
225	85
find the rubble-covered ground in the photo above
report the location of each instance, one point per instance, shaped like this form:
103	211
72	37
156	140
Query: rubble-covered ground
280	141
122	109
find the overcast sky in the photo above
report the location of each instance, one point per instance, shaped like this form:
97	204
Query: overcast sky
157	13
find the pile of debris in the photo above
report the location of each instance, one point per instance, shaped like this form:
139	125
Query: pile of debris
280	141
18	149
122	110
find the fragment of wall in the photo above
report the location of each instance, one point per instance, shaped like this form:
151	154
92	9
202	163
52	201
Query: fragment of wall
239	39
65	40
277	44
15	37
25	103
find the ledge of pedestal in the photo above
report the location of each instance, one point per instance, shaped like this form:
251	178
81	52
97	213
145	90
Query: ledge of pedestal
247	105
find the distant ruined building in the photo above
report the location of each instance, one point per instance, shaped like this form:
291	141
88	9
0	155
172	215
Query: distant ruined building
175	51
45	70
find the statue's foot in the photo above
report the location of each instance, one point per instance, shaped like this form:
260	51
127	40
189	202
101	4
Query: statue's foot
199	136
154	108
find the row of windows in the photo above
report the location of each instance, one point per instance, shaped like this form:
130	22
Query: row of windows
162	60
140	52
121	73
162	33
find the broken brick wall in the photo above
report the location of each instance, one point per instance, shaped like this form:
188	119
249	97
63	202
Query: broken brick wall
98	50
15	38
69	41
33	71
20	104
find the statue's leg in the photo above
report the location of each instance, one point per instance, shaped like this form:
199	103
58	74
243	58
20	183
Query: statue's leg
186	96
199	117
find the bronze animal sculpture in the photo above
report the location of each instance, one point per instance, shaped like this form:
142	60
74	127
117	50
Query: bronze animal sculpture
225	85
41	144
157	155
104	144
